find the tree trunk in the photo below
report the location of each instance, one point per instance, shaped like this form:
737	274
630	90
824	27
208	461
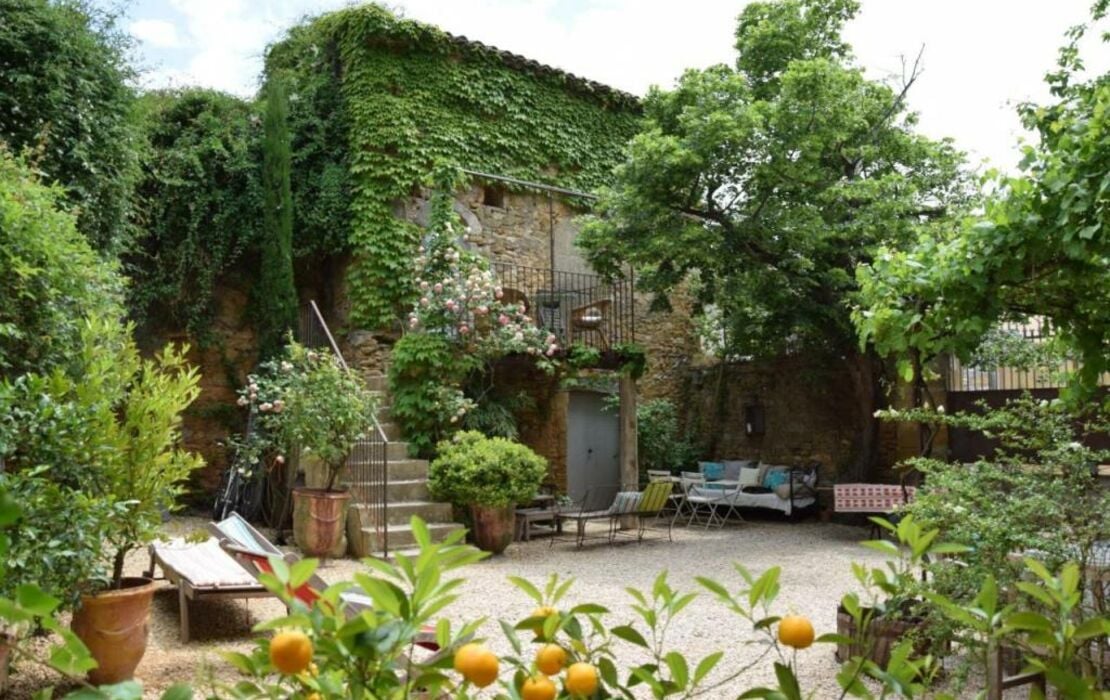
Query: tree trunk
865	372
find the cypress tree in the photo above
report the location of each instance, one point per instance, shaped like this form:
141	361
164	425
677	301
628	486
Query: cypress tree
277	295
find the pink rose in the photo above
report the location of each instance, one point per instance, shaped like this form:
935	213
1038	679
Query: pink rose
503	320
464	329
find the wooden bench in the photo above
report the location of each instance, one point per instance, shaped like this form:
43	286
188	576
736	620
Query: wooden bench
528	518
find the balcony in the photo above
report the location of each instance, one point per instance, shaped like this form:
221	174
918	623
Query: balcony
578	308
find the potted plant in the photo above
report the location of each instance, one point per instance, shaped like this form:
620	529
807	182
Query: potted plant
309	404
894	612
131	434
489	476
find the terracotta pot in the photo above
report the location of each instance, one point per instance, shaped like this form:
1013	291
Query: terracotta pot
5	655
493	527
114	626
884	634
320	521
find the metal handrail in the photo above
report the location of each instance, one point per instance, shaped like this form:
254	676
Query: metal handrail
375	447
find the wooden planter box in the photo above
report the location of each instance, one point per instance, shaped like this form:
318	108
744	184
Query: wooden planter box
884	634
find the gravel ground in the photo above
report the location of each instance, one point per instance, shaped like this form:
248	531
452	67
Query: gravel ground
815	560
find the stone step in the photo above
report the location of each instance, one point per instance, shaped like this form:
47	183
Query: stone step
377	382
401	536
396	490
398	470
392	431
401	512
408	469
395	452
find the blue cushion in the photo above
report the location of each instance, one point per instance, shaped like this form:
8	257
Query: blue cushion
775	479
712	470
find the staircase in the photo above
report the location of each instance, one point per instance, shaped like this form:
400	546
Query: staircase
406	494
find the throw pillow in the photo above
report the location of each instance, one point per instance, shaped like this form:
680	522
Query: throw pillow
733	467
775	478
712	470
749	476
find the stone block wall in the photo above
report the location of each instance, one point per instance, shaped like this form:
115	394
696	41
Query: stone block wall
808	409
223	363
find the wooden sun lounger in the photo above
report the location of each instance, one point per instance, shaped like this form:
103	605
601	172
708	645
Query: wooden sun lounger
201	570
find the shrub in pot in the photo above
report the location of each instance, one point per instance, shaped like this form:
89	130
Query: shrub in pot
489	476
307	402
99	455
874	628
139	470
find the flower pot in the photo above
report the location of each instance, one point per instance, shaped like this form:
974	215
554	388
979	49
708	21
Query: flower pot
6	643
320	521
114	625
493	527
884	635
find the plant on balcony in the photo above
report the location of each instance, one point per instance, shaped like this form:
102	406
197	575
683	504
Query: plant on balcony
306	403
489	476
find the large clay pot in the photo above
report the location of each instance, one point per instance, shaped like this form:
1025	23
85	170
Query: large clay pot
5	656
493	527
114	625
320	521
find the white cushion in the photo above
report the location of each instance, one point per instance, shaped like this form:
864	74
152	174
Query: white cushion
749	476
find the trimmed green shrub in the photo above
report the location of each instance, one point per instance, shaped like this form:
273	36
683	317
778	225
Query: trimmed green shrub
472	469
52	278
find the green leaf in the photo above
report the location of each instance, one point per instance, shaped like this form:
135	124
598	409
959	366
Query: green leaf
680	671
706	665
32	599
629	634
178	691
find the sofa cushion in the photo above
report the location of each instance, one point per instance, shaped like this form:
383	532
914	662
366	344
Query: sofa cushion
773	478
733	467
712	470
748	476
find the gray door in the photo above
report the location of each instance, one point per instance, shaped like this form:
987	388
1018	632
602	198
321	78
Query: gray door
593	448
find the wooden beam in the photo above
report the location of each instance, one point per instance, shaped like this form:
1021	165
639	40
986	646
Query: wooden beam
629	461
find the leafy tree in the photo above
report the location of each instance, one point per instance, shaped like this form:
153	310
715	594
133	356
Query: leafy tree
1041	247
199	199
63	91
52	279
766	183
277	296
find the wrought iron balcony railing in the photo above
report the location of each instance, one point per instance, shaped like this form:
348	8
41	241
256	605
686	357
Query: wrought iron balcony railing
577	307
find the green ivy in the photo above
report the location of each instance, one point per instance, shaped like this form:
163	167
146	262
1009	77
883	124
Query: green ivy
402	97
200	202
422	366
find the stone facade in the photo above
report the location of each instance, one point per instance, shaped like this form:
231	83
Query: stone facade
223	365
808	412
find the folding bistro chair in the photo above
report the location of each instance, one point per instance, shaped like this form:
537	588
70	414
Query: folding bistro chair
699	500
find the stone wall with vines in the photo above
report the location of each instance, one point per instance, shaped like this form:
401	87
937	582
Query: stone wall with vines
378	102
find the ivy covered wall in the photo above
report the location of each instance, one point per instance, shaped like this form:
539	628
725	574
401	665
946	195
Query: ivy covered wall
378	102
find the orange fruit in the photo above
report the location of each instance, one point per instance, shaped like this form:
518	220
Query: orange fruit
463	654
581	679
538	687
551	658
796	631
290	652
545	612
477	664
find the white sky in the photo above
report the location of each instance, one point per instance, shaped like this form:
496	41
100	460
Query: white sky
981	56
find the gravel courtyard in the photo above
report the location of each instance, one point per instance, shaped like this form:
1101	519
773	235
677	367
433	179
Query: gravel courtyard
815	560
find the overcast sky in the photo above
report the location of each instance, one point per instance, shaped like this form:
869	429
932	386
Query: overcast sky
981	56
